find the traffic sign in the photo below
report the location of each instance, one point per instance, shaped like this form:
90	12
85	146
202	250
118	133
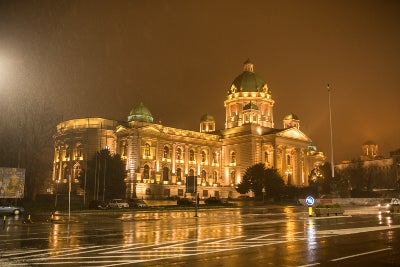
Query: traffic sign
309	200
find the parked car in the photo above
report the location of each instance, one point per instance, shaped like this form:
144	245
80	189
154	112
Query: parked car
185	202
214	201
118	204
394	201
137	203
97	204
11	209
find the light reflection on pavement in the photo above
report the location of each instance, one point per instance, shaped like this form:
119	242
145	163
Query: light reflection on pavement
127	238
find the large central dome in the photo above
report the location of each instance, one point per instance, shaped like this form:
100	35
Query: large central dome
140	113
248	81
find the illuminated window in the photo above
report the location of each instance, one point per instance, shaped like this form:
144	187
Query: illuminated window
76	171
203	156
166	152
165	174
215	177
78	150
232	178
179	153
67	152
233	157
191	155
203	177
288	159
266	157
123	149
147	150
146	172
215	157
179	174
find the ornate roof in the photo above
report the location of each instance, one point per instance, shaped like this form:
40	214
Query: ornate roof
140	113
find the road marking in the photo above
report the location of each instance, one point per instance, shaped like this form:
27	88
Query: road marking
261	237
361	254
348	231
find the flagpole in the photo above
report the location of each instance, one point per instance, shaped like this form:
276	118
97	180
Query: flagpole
330	126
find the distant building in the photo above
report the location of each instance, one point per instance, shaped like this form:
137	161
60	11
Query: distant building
387	169
159	157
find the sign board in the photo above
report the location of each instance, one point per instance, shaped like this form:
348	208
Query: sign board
12	182
309	200
191	184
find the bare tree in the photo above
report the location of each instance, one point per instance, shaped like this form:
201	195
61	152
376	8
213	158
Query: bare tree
28	124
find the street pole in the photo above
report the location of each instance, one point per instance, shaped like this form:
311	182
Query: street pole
197	200
330	124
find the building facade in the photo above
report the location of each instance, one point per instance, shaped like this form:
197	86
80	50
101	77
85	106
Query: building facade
158	158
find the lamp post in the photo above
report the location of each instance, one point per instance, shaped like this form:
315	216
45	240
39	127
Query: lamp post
331	134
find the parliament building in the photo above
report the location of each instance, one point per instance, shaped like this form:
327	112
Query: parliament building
158	158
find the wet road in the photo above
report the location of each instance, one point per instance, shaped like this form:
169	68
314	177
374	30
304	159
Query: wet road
250	236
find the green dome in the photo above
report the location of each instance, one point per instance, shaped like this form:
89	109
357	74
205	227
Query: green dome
248	81
140	113
207	117
291	116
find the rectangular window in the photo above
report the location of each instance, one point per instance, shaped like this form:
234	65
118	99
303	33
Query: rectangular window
167	192
180	192
205	193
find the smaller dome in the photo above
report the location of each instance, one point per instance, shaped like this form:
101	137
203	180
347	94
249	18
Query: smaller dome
207	117
369	143
291	116
140	113
250	105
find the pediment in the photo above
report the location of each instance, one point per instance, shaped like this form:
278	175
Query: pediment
294	133
151	128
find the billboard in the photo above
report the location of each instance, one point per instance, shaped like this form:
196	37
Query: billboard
12	182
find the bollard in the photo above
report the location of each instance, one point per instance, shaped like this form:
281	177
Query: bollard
29	219
310	211
4	221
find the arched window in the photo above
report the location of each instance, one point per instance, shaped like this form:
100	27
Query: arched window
166	152
203	156
76	170
179	153
266	155
215	177
191	155
147	150
232	178
146	172
123	149
165	174
67	152
233	157
78	150
179	174
191	172
203	176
